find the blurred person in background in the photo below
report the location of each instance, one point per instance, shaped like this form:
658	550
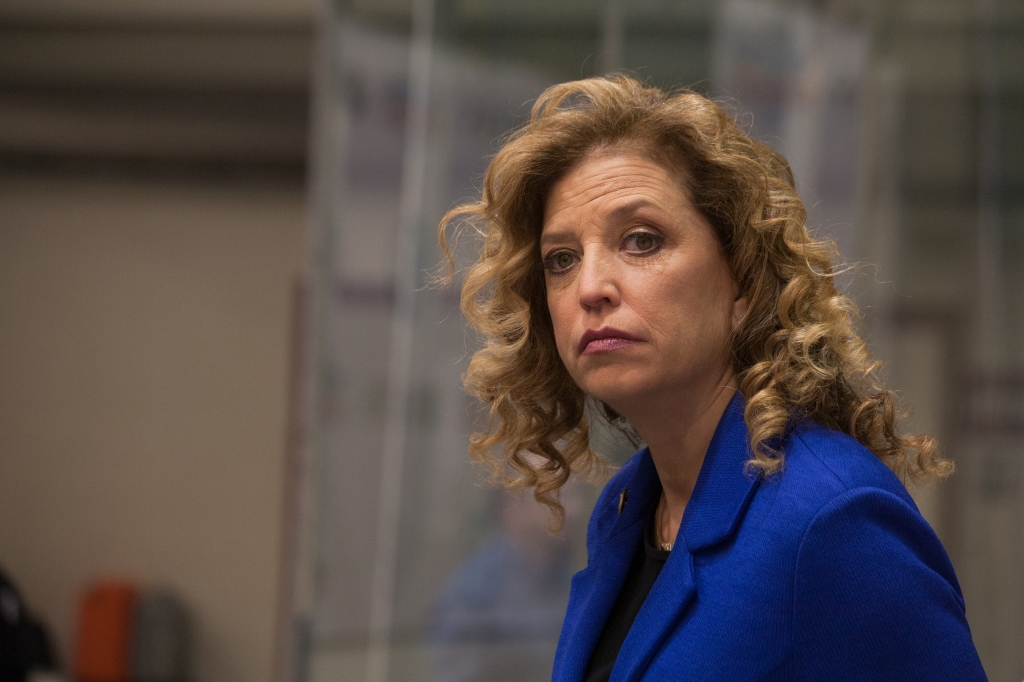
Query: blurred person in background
641	250
497	614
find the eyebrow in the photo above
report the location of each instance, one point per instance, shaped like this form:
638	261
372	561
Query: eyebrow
616	214
560	235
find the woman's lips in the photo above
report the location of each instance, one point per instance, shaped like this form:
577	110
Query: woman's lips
604	340
605	345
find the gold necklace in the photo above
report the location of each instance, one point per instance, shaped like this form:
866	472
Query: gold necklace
665	546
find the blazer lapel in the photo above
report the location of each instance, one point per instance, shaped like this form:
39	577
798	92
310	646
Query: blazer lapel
720	498
595	588
725	487
665	604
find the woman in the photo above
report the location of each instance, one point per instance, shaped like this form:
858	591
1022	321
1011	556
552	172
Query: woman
641	251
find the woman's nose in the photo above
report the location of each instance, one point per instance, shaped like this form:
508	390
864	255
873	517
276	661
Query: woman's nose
598	282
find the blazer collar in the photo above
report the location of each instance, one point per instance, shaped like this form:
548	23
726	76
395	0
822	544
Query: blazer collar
724	486
714	512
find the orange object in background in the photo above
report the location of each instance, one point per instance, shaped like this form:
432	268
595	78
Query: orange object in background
105	627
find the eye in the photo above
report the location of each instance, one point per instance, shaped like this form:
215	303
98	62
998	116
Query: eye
559	261
642	242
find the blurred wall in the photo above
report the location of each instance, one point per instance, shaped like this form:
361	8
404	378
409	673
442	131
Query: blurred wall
152	160
144	365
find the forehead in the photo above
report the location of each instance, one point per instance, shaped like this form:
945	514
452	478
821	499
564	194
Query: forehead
606	182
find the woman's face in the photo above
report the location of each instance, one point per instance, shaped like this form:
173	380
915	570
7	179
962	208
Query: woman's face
641	297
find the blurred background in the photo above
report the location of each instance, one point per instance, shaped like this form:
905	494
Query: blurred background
224	377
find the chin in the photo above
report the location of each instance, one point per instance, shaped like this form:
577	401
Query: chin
618	389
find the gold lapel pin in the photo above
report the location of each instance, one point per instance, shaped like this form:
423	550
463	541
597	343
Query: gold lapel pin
623	496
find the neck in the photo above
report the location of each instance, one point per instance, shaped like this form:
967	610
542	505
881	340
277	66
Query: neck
678	432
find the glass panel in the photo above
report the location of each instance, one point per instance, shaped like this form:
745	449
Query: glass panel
903	123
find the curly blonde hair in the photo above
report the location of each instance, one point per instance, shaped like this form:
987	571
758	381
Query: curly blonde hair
796	352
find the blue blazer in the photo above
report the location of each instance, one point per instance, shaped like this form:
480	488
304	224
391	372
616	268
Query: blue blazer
826	571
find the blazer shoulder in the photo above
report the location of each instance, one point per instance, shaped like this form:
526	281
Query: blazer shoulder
821	466
832	463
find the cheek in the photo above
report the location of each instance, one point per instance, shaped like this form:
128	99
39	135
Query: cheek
561	320
689	310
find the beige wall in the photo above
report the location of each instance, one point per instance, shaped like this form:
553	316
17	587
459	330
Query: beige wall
144	341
